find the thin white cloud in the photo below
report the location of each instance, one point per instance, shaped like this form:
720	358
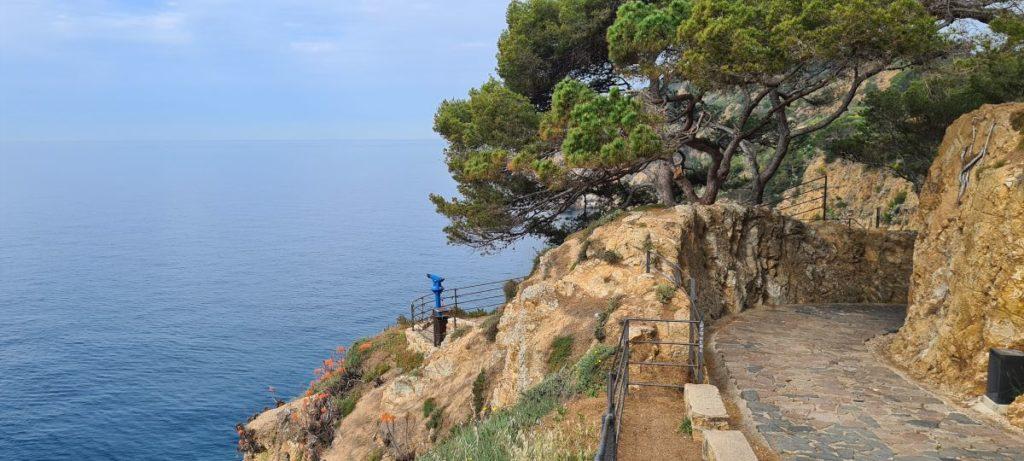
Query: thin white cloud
314	46
162	27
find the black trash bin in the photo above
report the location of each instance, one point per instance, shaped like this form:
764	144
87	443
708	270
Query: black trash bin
1005	375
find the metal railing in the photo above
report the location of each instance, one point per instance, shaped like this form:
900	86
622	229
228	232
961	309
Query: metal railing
619	380
460	301
816	193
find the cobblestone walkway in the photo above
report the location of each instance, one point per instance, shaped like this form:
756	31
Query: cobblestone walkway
817	393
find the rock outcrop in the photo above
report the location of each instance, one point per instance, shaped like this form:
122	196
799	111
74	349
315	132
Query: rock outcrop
967	288
739	257
856	194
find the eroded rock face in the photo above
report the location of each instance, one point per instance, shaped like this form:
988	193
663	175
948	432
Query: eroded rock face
740	258
967	288
1015	412
856	194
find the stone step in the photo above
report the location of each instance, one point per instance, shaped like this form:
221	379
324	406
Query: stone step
727	446
705	409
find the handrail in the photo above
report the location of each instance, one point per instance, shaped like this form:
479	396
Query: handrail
423	308
803	194
618	378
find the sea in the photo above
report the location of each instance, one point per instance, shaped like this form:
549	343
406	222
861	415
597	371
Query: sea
154	294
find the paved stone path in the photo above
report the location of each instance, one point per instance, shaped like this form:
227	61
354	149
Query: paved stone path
817	393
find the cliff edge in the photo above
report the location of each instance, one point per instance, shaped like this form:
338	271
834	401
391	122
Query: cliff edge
482	380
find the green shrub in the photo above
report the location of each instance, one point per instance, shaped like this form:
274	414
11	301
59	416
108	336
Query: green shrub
686	427
376	454
500	435
377	372
403	321
537	258
561	349
602	318
490	325
1017	121
432	413
582	254
479	392
346	404
458	333
610	256
510	288
602	220
464	314
665	292
355	356
592	368
429	406
497	436
435	418
894	206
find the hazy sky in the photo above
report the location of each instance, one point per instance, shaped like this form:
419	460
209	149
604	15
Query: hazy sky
238	69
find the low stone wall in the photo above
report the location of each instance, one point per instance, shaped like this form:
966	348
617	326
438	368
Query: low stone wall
747	257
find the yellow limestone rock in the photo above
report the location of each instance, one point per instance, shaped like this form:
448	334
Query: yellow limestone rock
967	287
740	257
855	192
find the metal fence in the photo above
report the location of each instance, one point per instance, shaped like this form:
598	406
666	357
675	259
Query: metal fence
619	380
467	300
814	192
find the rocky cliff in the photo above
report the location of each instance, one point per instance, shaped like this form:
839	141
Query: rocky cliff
567	308
856	194
967	288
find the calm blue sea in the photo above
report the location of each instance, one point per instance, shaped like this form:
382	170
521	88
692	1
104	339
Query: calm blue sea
151	292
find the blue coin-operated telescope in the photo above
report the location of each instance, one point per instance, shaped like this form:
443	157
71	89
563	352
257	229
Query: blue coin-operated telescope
437	288
440	316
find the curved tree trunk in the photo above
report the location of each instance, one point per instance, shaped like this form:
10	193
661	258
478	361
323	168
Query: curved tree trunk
660	171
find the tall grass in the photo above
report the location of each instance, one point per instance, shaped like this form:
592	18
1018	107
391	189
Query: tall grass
497	437
503	435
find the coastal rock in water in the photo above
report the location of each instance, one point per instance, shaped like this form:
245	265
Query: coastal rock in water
967	288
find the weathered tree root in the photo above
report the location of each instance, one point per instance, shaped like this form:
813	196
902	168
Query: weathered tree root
965	172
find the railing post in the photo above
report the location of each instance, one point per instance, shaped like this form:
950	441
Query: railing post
611	390
824	201
700	353
647	262
878	217
625	378
455	307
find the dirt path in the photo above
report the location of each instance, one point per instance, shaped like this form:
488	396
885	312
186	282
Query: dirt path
816	392
650	429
